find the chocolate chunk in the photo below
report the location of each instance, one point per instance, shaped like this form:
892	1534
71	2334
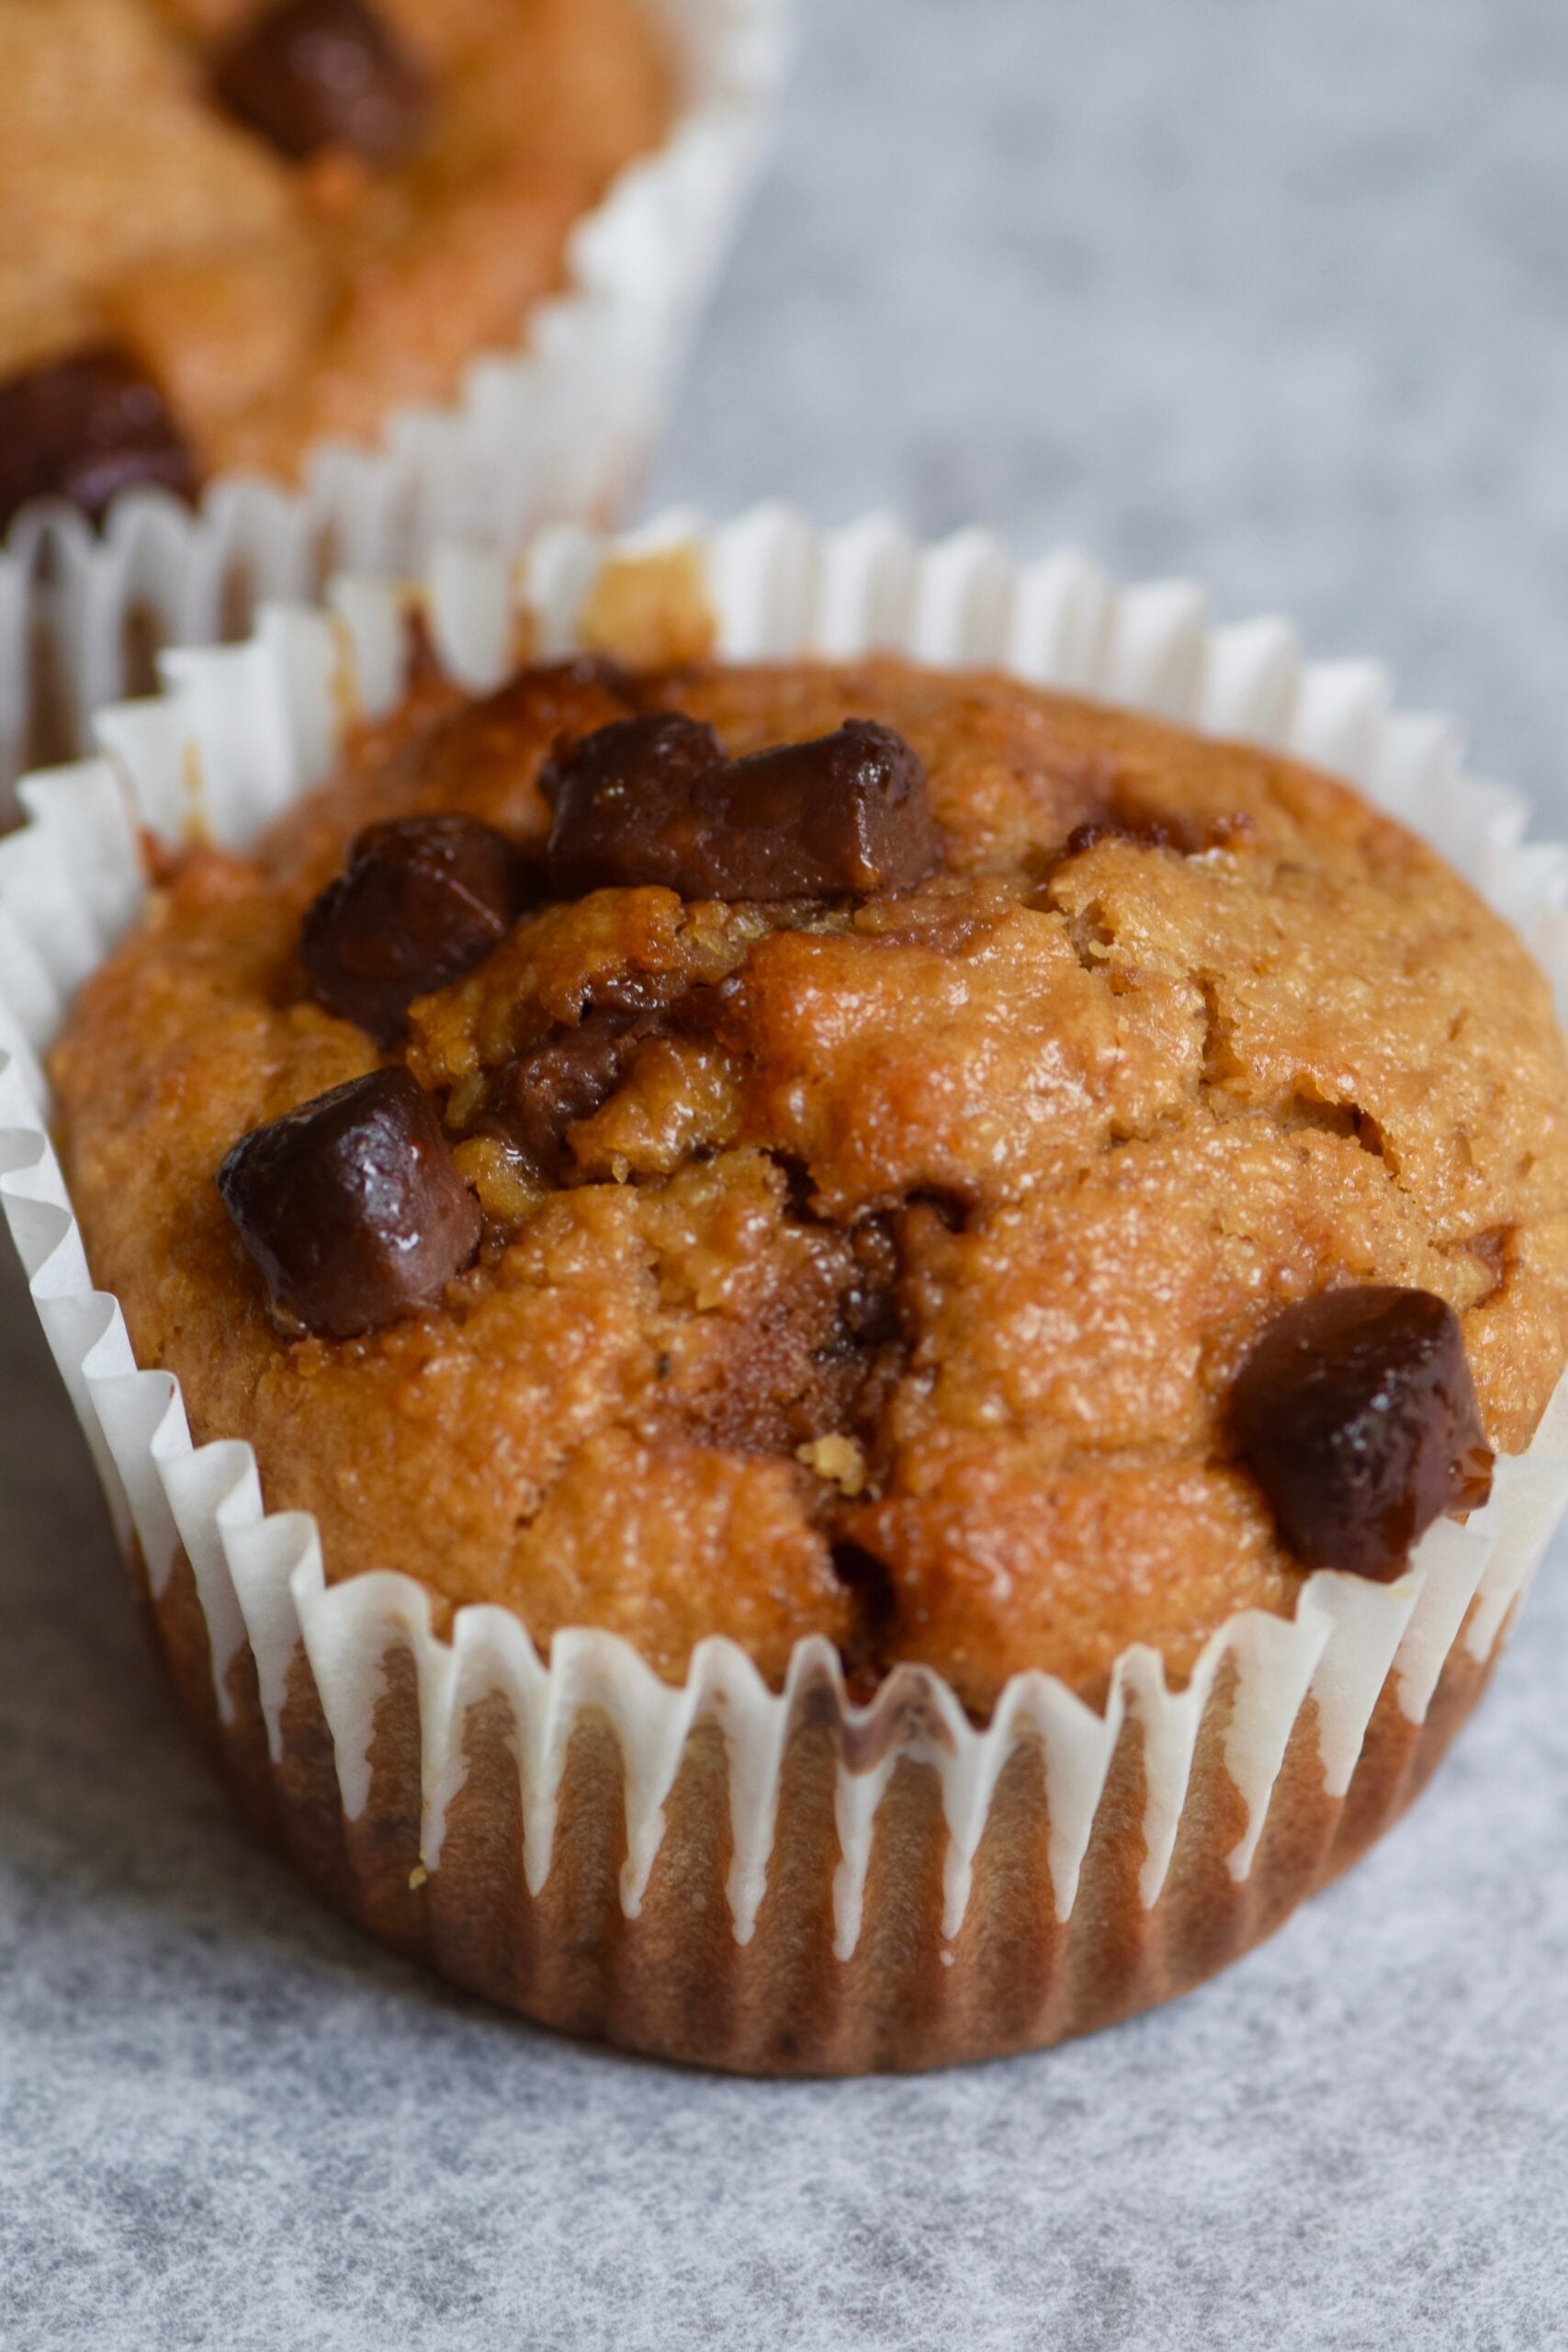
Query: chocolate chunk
876	1594
422	901
1357	1415
621	802
1147	832
313	73
846	812
1126	821
86	428
352	1207
564	1078
653	799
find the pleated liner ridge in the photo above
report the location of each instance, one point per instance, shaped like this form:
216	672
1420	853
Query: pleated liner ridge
771	1882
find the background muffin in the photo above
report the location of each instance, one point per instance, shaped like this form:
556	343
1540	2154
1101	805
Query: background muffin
284	222
348	279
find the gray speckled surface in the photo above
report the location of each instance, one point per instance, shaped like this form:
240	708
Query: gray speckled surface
1271	293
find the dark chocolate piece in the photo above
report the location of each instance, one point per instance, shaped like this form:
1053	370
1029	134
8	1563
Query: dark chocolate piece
313	73
621	802
352	1207
654	800
1357	1415
1125	820
564	1078
422	901
1142	833
847	812
86	428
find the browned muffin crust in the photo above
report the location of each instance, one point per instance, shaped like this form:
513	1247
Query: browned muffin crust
281	299
892	1284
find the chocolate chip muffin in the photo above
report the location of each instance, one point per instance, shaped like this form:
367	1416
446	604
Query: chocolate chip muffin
899	1155
232	229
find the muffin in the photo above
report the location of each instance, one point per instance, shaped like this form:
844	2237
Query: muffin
868	1250
237	229
852	1285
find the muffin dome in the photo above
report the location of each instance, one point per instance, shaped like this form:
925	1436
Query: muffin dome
874	1255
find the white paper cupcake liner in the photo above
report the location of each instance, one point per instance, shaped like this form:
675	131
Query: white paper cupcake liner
562	428
768	1881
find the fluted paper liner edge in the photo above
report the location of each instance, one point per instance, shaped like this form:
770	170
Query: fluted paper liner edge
561	425
716	1871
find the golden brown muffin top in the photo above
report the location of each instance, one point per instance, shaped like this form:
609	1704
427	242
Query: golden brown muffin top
275	298
876	1263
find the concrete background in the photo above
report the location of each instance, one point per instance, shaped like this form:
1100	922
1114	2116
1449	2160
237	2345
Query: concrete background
1270	293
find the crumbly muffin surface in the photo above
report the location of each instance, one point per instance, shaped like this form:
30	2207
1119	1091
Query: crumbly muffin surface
891	1283
279	301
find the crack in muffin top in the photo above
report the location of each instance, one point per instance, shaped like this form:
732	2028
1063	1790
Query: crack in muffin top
871	1255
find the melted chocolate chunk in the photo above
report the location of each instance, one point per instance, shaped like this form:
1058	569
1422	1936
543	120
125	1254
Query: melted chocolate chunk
352	1207
654	800
422	901
564	1078
1148	832
313	73
1126	821
871	1583
85	428
869	1313
1357	1415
